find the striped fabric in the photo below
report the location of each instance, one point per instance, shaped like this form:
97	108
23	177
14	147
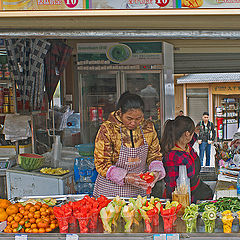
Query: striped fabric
108	188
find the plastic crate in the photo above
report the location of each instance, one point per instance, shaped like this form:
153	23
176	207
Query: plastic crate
84	170
85	149
85	188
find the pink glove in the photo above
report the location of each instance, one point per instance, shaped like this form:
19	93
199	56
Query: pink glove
135	180
157	166
116	175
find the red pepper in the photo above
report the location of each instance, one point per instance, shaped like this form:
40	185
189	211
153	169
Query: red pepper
147	177
148	228
149	190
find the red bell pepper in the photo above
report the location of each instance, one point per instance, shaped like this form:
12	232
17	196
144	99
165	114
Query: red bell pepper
148	177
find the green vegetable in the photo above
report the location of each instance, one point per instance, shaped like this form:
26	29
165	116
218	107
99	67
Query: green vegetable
223	204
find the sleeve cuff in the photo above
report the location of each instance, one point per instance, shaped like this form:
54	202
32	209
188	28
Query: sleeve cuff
116	175
157	166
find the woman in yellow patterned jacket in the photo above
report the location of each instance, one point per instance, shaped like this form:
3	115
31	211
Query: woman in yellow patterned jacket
126	145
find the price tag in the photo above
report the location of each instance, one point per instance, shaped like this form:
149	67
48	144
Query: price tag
71	236
21	237
173	236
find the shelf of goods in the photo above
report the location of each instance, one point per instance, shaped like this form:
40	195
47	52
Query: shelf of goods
83	217
230	114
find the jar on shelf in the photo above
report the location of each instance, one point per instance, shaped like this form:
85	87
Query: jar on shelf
7	75
1	72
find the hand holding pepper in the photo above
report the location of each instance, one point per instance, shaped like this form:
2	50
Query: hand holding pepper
135	180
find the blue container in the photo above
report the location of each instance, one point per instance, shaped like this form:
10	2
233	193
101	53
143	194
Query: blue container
85	149
84	170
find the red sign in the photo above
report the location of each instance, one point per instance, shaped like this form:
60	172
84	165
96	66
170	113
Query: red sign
71	3
162	3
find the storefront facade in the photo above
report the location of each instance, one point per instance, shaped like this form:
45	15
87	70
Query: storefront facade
189	31
216	93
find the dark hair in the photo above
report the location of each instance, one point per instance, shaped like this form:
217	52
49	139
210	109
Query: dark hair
181	111
173	130
129	101
206	113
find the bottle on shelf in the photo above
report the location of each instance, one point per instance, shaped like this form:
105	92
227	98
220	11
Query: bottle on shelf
7	75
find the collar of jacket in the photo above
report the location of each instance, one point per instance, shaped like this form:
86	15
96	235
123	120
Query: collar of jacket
180	149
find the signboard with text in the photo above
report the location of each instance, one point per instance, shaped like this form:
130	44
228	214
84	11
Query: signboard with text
226	88
129	53
20	5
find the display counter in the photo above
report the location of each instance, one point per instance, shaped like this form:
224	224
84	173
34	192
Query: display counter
37	183
126	236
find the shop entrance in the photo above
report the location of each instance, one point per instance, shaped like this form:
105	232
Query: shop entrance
100	91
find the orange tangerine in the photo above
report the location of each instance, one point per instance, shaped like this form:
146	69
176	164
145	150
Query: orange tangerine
32	220
41	230
28	205
32	209
35	230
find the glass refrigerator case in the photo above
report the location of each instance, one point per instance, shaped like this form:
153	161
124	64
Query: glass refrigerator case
101	90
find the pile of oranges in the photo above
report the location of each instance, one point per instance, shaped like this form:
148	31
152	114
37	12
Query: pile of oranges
38	218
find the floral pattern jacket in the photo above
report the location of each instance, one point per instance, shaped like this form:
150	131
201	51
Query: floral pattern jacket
108	142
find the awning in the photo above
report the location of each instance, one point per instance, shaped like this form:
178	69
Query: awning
210	78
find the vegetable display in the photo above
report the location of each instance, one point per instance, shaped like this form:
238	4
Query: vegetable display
222	204
149	178
190	217
209	216
86	211
169	214
111	212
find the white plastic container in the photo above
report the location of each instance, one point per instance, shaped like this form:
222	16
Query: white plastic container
184	180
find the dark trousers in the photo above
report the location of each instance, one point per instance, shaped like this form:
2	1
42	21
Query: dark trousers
204	146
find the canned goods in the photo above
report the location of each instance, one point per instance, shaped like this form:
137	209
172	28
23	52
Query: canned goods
1	75
10	91
7	75
5	108
11	100
11	108
6	99
1	96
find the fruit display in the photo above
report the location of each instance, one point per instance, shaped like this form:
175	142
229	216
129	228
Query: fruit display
31	218
116	215
148	177
48	201
209	216
54	171
30	161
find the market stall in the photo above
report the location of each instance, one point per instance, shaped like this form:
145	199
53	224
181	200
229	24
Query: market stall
117	218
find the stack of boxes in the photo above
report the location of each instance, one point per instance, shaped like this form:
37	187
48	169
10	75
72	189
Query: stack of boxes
85	173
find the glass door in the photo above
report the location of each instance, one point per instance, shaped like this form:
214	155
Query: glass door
147	85
99	93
